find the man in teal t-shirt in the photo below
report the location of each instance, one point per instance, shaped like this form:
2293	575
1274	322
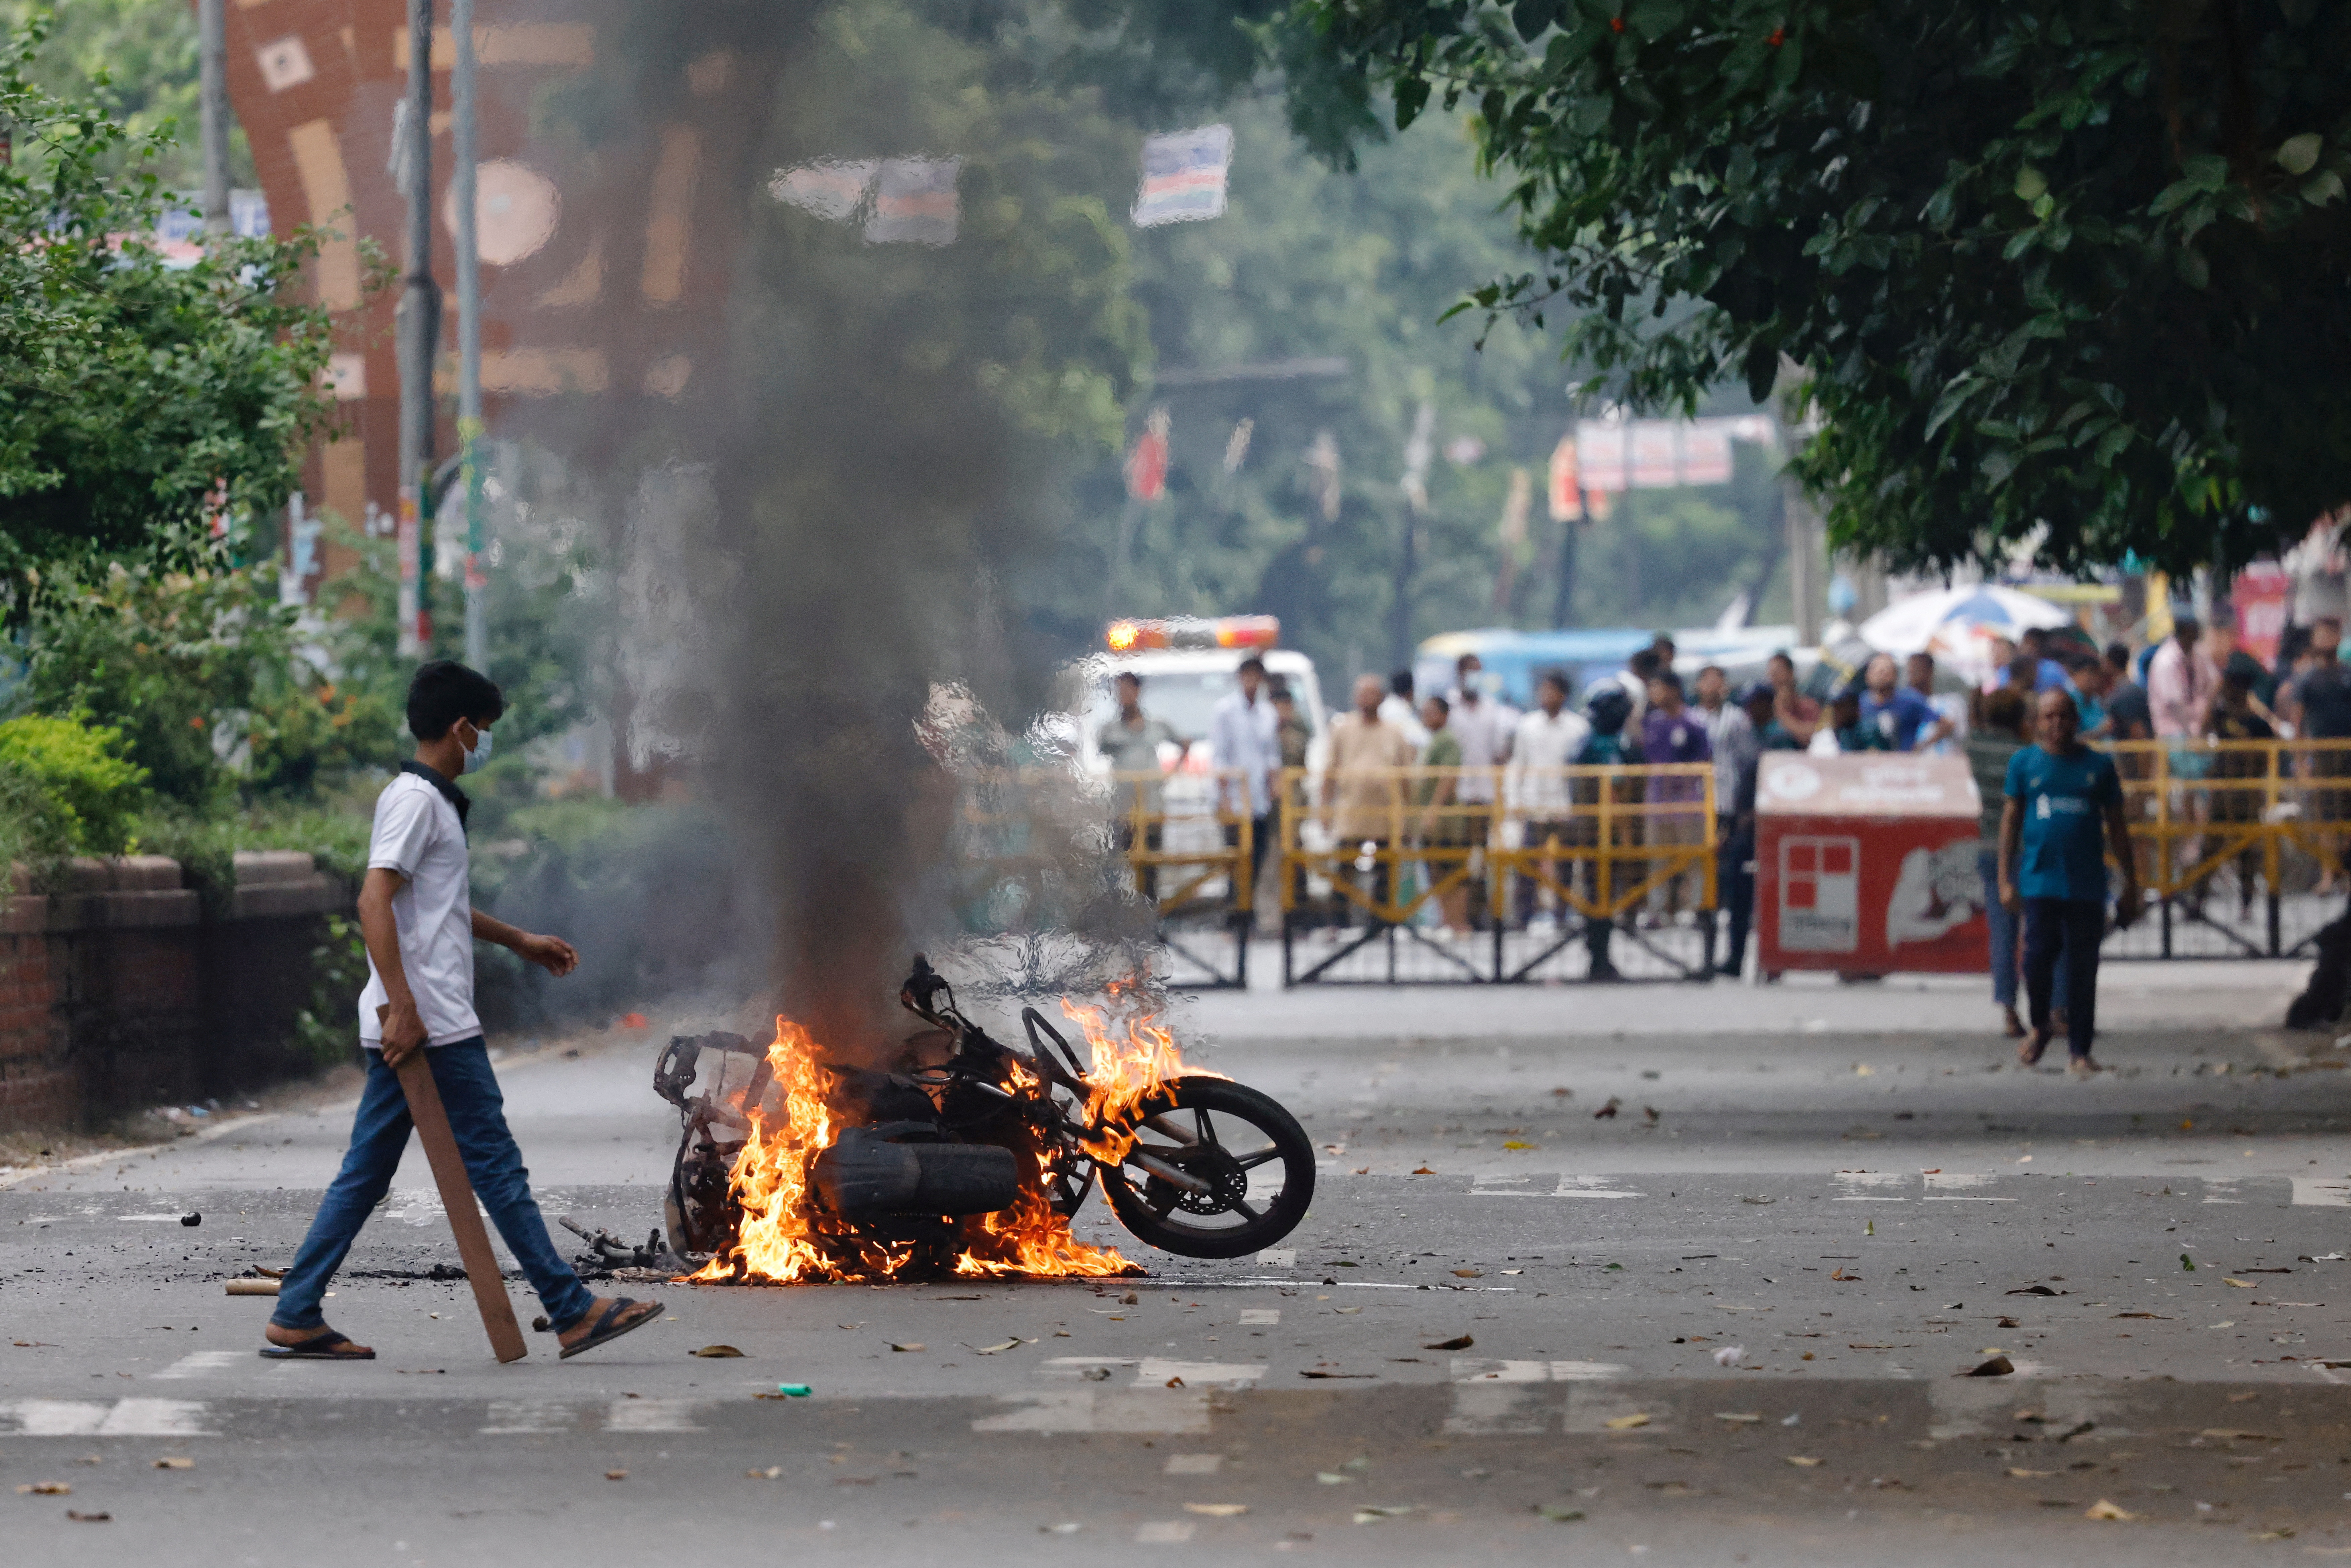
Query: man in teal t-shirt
2065	807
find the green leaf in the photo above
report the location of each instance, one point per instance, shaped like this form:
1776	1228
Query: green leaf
1410	98
1791	63
2299	154
2323	187
1653	19
2030	183
2194	270
2206	170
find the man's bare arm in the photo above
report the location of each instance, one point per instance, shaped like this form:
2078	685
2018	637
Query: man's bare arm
2012	836
403	1029
552	954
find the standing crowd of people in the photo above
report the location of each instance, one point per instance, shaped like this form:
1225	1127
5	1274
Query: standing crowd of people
2054	803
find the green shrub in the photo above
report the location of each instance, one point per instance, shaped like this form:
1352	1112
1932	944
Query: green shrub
83	794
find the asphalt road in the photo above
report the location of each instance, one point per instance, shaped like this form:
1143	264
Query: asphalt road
1852	1189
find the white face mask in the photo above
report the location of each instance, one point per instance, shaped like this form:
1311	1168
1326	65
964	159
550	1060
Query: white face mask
477	757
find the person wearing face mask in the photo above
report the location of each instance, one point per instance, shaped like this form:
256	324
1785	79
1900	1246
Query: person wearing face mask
417	916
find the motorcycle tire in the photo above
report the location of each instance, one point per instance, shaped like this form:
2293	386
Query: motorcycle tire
1209	1109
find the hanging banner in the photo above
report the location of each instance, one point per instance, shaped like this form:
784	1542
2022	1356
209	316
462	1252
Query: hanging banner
1146	465
1183	176
2261	596
1566	492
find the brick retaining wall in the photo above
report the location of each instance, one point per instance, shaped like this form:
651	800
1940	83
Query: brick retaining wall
118	989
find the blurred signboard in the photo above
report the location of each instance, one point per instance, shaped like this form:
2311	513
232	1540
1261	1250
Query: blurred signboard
1183	176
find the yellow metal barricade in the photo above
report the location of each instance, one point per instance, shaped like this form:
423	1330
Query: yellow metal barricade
2274	812
1384	841
1187	838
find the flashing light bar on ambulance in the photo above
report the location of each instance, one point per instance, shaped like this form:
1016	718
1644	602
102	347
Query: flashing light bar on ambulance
1257	631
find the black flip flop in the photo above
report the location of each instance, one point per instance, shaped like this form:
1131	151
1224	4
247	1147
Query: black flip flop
328	1346
615	1323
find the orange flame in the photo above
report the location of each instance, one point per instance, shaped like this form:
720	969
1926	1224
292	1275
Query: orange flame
785	1236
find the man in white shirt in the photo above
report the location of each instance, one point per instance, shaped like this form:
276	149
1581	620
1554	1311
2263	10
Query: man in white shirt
1547	743
1399	709
1245	733
1483	724
417	916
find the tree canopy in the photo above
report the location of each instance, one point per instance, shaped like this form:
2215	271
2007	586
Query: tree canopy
141	398
2072	276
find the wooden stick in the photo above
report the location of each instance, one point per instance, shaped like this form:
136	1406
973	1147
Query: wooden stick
482	1271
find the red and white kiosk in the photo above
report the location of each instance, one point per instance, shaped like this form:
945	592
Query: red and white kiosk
1866	864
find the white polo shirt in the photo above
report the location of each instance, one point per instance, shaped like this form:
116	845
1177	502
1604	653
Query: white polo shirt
419	835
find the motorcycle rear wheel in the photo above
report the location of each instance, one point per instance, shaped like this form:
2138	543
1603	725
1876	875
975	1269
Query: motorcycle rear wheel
1257	1160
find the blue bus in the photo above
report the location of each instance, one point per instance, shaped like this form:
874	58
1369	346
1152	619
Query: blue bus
1514	660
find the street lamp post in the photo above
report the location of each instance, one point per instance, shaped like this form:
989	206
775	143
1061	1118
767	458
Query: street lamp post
469	336
418	326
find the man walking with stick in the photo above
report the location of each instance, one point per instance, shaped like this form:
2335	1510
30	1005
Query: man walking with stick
417	914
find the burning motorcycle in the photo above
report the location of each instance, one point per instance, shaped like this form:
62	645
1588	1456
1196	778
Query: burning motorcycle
968	1155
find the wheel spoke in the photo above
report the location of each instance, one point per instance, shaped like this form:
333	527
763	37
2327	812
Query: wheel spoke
1251	1162
1207	1127
1242	1205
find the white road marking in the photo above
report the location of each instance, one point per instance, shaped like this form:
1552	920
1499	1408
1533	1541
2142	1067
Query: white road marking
1591	1406
1961	1187
1157	1371
515	1417
1868	1187
1495	1409
1261	1317
2315	1192
1497	1184
2215	1189
1165	1532
650	1416
1193	1464
96	1418
1479	1369
1150	1410
1278	1258
53	1417
201	1361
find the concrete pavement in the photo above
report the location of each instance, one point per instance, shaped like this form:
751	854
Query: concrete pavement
1860	1210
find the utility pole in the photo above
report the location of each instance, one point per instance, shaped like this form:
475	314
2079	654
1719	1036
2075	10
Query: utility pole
1417	449
418	326
211	88
469	337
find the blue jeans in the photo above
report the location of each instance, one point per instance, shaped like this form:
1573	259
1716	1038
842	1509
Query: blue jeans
2070	929
2005	932
477	1117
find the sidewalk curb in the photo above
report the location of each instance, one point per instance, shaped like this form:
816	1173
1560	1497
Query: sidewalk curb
218	1130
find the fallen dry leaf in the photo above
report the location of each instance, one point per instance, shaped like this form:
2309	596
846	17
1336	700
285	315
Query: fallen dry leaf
1459	1342
1516	1144
1175	1383
45	1489
1466	1274
993	1348
1997	1366
1626	1423
616	1474
715	1351
1838	1274
916	1345
1422	1170
2241	1284
174	1462
1217	1510
2029	1475
1559	1512
1737	1415
2102	1509
1804	1460
1330	1374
